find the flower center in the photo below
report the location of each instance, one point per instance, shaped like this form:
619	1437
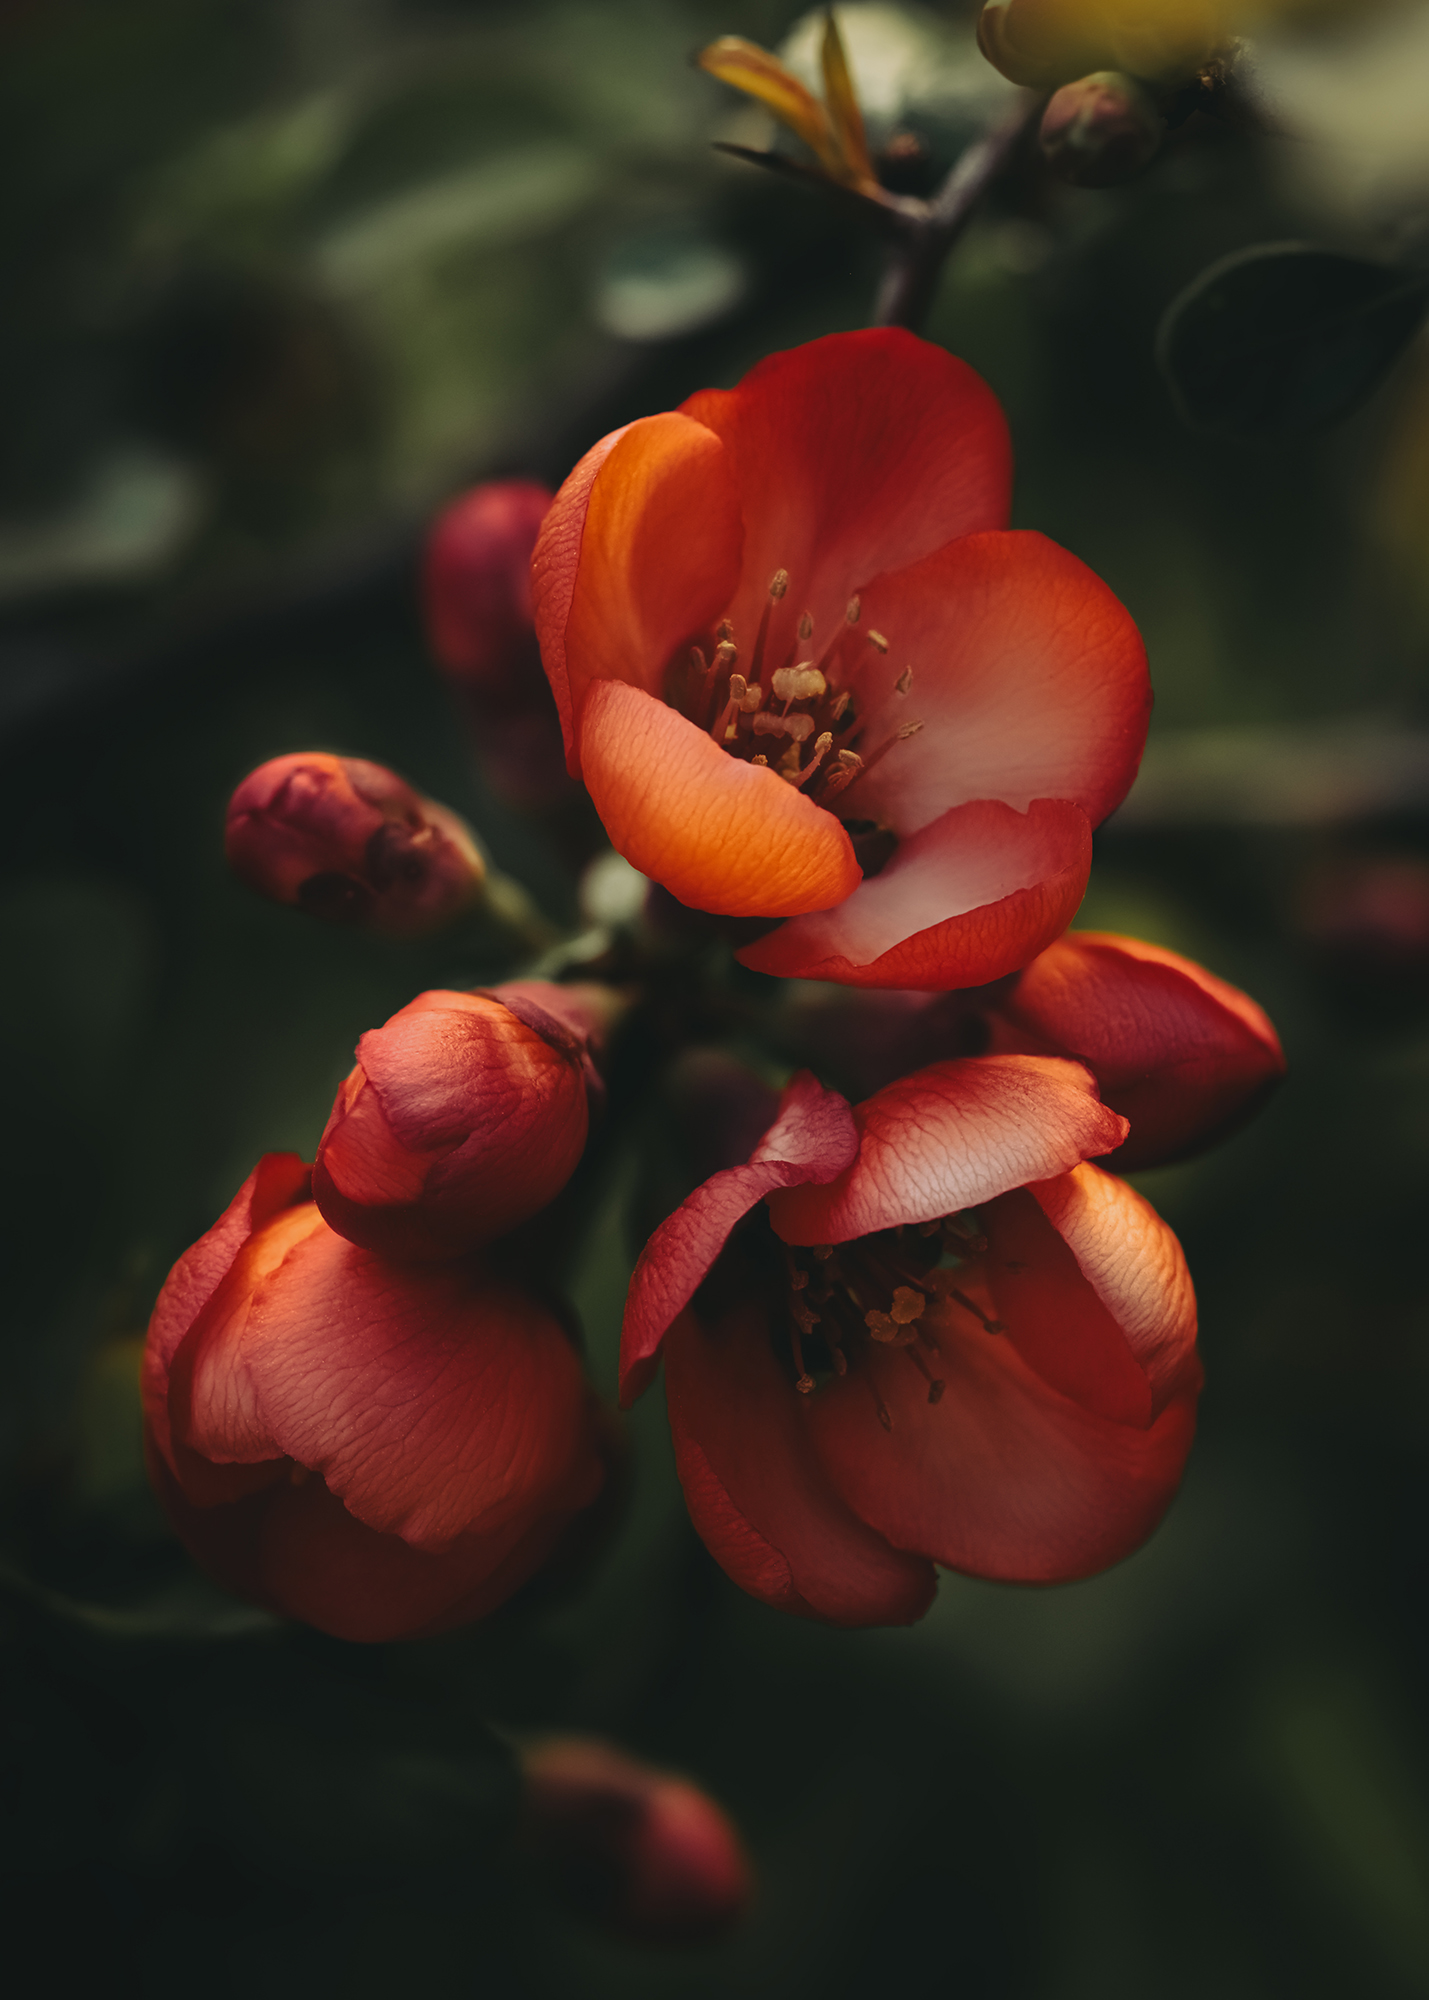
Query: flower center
802	717
901	1289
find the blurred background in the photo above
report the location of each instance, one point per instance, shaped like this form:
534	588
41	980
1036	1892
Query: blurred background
279	277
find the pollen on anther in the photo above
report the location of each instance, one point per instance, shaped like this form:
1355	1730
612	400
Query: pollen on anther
779	583
851	615
801	683
877	639
904	681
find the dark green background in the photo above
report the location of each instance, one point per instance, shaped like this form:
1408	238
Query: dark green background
284	276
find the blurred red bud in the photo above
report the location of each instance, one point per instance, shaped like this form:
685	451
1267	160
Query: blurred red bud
465	1113
1367	916
477	586
350	841
476	593
643	1853
1100	130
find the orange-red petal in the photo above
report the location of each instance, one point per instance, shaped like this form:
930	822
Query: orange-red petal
720	834
972	897
949	1137
1029	678
1183	1055
854	454
637	556
1002	1477
434	1401
812	1139
1094	1291
757	1493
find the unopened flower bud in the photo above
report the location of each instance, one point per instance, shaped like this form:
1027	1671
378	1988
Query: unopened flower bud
464	1114
476	598
476	586
643	1853
1100	130
349	841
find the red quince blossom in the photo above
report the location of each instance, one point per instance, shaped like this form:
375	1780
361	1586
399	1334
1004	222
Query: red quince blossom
1183	1056
381	1450
476	598
352	842
464	1114
644	1853
944	1338
807	673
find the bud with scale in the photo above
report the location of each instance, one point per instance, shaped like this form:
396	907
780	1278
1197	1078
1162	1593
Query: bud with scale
351	842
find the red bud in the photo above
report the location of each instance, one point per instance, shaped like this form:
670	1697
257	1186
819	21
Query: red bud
476	592
465	1113
350	841
1101	130
643	1853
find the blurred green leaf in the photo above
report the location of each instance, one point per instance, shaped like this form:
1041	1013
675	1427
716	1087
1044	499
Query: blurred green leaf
1285	338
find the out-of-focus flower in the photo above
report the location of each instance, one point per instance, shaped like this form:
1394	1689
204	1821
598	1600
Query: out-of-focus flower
350	841
476	597
1101	130
832	131
644	1853
807	675
380	1450
1045	43
464	1114
1367	917
943	1338
1183	1056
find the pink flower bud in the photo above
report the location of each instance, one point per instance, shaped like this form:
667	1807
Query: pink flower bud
641	1852
476	585
349	841
476	594
465	1113
1101	130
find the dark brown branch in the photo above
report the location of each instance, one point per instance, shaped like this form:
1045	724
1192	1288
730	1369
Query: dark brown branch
915	268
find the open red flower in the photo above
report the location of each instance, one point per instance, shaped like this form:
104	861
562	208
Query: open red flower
465	1113
944	1338
380	1450
1183	1056
807	674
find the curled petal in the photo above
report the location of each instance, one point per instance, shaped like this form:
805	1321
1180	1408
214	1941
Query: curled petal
297	1550
1095	1294
812	1139
639	553
434	1401
970	898
758	1496
854	454
280	1181
463	1116
1002	1477
1186	1057
949	1137
1029	678
720	834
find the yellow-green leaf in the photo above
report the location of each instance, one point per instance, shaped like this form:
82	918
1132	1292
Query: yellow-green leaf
747	67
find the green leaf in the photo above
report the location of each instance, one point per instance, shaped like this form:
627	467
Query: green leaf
1284	338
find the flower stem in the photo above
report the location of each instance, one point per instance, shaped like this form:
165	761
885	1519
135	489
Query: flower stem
916	264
